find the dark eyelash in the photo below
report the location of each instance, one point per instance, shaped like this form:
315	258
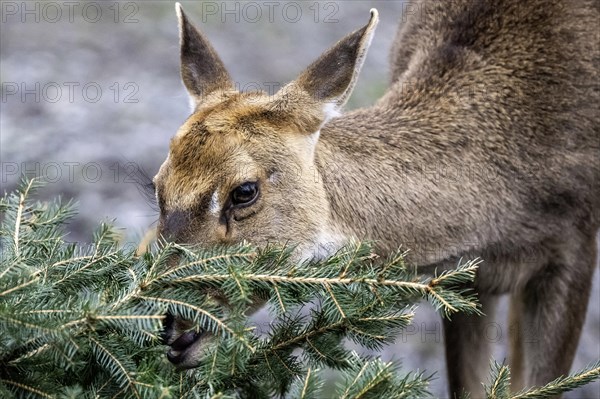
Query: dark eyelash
148	191
145	187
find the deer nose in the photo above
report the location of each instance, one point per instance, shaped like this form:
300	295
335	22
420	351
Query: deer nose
173	224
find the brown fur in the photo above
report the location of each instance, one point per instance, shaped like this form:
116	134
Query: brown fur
486	144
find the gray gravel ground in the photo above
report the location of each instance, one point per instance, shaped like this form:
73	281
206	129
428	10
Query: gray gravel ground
87	86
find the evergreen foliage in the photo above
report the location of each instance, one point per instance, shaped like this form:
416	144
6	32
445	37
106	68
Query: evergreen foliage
84	321
499	388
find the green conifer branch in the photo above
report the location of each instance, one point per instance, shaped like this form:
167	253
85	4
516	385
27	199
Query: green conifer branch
499	387
85	320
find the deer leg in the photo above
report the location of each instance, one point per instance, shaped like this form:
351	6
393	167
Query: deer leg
553	311
468	350
516	336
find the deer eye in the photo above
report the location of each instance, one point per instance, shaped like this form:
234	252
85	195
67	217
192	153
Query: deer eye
244	194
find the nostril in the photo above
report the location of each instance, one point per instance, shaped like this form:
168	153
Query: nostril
179	348
185	340
173	357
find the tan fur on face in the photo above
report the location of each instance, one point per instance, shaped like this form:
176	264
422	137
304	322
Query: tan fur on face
233	138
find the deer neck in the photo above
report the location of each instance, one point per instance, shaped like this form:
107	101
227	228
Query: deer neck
389	176
351	176
362	158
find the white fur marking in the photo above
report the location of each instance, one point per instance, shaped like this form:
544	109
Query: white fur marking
193	102
215	206
274	178
330	109
325	244
313	139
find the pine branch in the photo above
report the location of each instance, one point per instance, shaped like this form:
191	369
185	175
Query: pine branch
500	385
308	387
376	379
119	369
22	197
26	389
499	388
85	320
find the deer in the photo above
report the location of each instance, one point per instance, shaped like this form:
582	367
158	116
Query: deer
506	94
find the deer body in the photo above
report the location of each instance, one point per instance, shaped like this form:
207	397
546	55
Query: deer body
485	145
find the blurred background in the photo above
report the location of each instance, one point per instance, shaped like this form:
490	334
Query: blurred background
91	95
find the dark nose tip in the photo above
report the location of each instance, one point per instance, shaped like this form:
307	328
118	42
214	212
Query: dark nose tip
173	224
185	340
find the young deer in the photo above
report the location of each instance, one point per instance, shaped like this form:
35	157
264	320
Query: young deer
485	145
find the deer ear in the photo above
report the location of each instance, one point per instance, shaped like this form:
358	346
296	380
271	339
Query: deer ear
202	71
331	78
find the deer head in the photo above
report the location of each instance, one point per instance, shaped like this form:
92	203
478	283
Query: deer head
242	166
